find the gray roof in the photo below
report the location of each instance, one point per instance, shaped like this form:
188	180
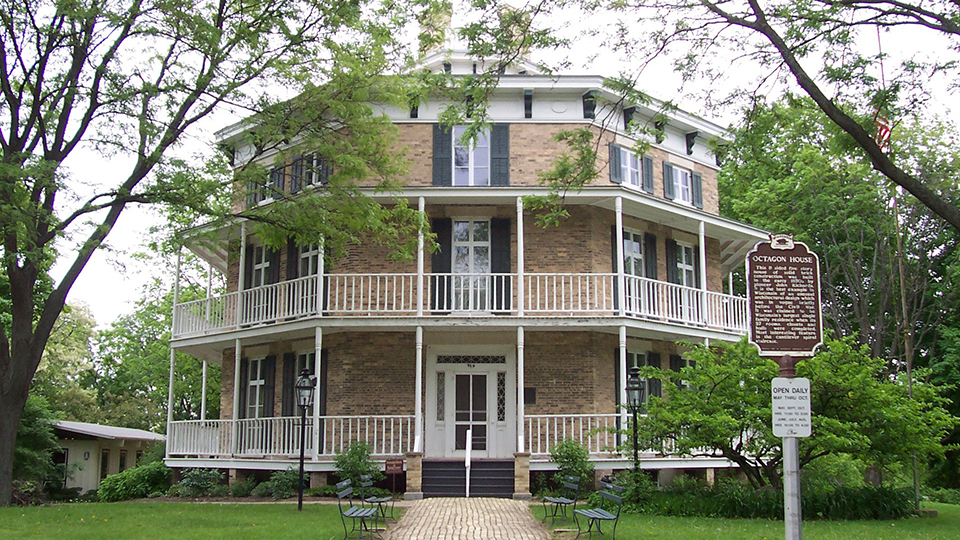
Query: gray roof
108	432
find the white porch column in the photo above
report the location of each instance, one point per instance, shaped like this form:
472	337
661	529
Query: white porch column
418	400
421	205
203	392
318	368
320	298
623	375
520	411
236	396
173	352
621	282
520	278
242	274
703	259
730	283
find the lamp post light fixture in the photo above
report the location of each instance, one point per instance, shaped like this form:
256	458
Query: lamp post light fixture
304	387
635	395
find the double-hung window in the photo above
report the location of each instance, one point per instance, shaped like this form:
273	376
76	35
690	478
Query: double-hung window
640	359
633	264
471	264
317	171
261	265
309	260
255	388
628	169
682	185
687	265
471	159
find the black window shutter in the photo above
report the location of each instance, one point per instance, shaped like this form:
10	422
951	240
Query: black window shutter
293	259
442	156
696	189
288	398
614	238
673	273
696	267
441	264
244	385
269	379
273	271
653	359
648	174
616	175
668	181
676	363
296	174
248	268
650	255
500	155
322	376
500	263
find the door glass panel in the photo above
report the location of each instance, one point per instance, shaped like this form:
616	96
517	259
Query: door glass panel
461	231
461	260
471	410
481	231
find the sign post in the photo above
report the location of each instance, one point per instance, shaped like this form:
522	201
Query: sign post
783	295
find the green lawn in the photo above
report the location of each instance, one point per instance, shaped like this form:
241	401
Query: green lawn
635	527
171	521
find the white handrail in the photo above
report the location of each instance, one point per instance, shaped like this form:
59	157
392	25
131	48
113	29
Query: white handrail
466	460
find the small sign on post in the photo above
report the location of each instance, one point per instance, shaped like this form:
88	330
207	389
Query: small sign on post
783	298
791	407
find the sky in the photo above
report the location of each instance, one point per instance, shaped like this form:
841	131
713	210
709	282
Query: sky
113	280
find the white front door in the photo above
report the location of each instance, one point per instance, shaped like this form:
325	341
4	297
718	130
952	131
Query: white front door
467	390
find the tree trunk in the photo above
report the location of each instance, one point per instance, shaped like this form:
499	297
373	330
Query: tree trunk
11	407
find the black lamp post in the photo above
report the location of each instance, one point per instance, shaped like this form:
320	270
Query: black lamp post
305	384
635	391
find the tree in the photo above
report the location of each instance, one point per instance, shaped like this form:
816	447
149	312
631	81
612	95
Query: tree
790	169
130	369
36	444
721	407
131	78
816	45
63	368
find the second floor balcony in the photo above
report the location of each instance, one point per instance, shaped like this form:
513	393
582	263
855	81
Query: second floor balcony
412	295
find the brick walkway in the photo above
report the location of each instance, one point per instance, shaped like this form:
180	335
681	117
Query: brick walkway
468	519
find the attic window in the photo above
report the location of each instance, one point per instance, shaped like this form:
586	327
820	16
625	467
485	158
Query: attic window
628	116
590	104
528	103
446	67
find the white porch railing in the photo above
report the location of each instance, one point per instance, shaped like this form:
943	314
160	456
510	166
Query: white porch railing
545	295
462	293
284	300
388	435
570	293
596	432
648	298
372	294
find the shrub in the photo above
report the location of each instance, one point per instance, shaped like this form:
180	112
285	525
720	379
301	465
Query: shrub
572	459
284	484
329	490
948	496
356	462
243	488
635	492
219	490
281	485
261	490
733	499
135	483
198	482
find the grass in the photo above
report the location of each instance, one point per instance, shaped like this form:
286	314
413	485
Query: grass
946	526
171	521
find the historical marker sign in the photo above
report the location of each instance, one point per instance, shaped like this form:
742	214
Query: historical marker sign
783	294
791	407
